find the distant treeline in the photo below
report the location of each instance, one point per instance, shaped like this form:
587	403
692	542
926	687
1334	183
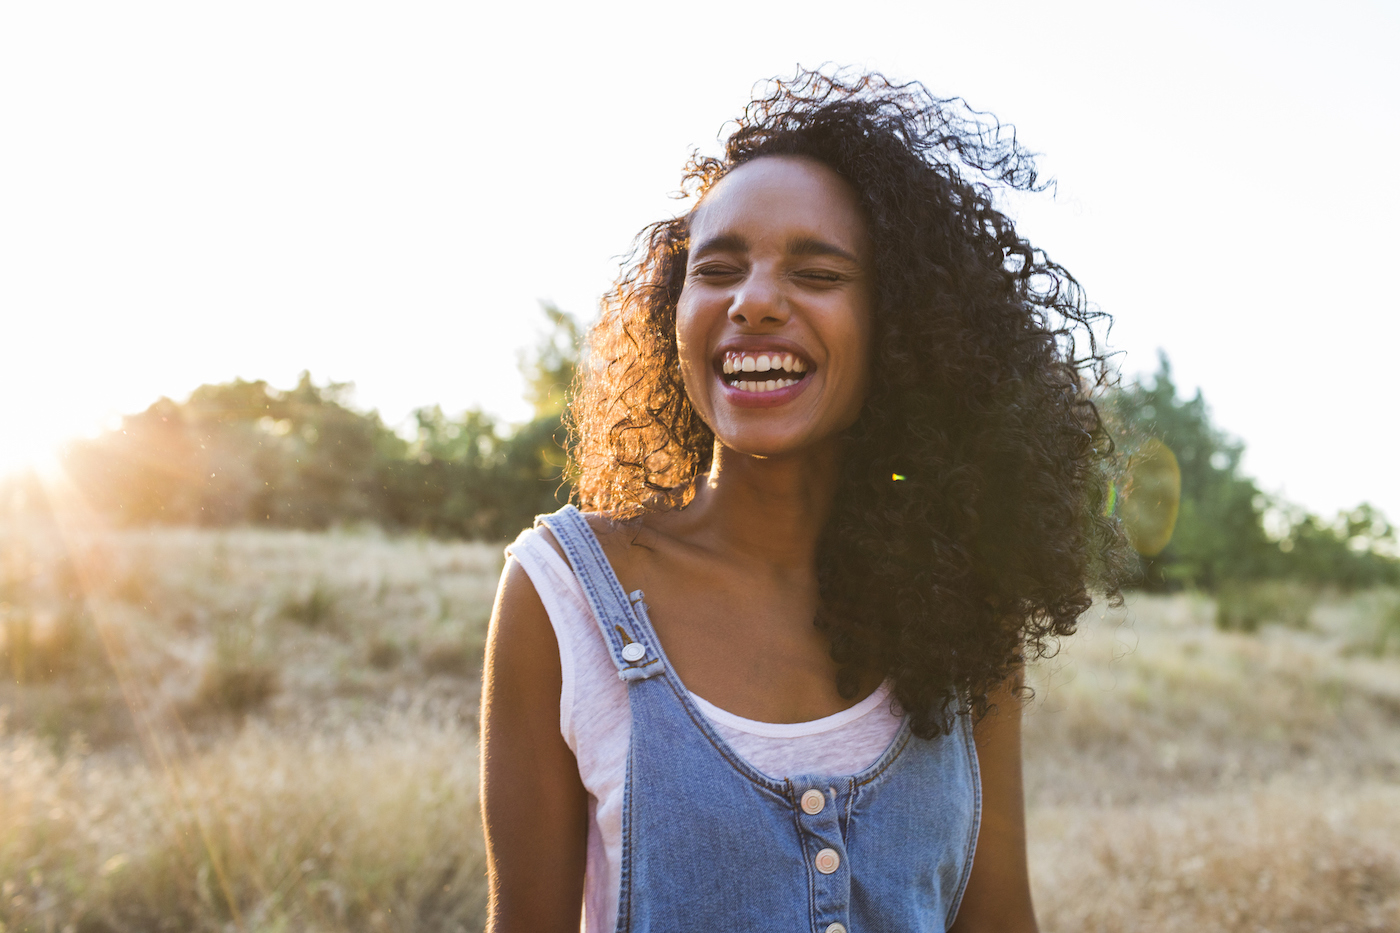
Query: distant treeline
244	453
1228	530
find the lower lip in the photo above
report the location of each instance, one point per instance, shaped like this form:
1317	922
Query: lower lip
741	399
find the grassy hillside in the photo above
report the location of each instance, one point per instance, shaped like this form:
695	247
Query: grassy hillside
276	730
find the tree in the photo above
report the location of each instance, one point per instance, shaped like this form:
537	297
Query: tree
551	367
1220	532
243	453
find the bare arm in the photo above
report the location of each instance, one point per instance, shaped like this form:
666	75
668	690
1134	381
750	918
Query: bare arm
998	896
534	806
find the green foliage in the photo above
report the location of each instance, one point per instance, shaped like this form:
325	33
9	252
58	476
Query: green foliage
551	369
244	453
240	453
1228	531
1219	532
1245	606
1352	551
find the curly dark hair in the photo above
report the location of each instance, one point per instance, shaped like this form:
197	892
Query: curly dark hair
969	513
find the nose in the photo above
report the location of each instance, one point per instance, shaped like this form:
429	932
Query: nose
759	302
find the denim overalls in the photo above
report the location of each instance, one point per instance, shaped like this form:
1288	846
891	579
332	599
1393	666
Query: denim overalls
710	843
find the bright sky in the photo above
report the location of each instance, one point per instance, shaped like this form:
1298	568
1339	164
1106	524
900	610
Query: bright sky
382	193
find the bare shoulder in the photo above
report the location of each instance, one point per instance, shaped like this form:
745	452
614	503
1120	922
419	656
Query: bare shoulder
520	640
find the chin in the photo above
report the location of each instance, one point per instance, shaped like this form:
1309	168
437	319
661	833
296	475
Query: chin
764	445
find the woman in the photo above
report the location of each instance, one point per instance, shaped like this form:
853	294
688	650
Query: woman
838	469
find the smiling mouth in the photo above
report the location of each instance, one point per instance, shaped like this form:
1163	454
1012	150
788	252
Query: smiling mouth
763	371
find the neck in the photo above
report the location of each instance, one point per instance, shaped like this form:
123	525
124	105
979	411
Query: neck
766	510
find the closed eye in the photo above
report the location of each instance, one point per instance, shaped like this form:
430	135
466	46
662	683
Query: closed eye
715	270
820	276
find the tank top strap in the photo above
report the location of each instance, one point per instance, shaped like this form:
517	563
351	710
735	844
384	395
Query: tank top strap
630	642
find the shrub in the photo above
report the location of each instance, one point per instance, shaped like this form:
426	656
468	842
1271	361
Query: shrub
1377	631
39	645
314	609
1243	607
384	654
451	658
1388	630
238	677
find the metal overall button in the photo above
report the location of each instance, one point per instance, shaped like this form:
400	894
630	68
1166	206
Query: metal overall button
836	928
828	861
634	652
813	802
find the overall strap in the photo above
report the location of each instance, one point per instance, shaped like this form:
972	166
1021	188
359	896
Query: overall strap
627	641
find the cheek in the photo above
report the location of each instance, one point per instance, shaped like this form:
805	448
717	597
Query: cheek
690	346
857	336
685	317
862	340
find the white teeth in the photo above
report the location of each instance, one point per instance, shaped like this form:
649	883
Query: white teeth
771	385
762	363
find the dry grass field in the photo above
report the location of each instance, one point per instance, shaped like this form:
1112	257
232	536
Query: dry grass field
1184	778
252	730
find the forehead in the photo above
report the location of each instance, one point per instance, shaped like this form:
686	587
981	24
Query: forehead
776	198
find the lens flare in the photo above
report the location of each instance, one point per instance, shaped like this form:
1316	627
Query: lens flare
1149	498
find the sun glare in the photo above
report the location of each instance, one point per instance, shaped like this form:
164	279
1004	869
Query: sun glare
36	443
39	457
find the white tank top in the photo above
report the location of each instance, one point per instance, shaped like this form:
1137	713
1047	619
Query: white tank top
596	723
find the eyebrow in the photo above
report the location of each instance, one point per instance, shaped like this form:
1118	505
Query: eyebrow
799	246
724	243
811	246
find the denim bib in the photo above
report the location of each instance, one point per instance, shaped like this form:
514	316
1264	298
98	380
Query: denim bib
711	843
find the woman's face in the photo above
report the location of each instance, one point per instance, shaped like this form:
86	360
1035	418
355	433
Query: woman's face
773	322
